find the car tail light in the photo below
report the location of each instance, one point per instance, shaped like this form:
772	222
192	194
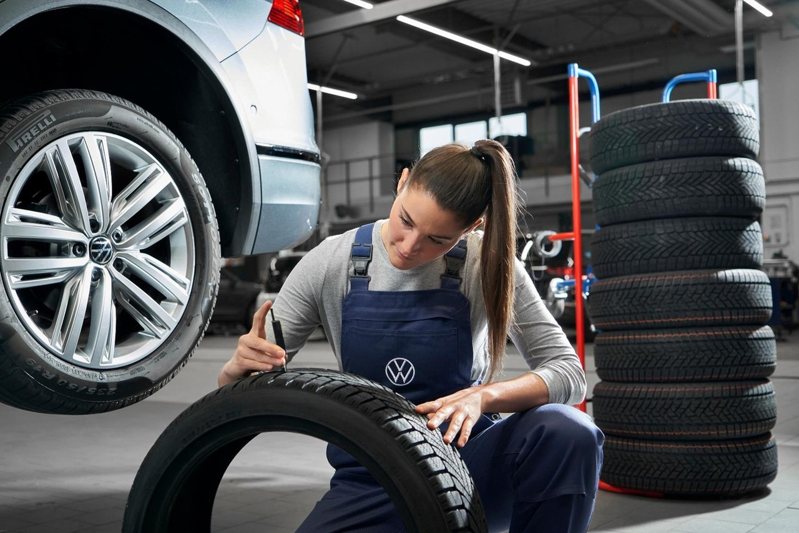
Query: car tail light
287	14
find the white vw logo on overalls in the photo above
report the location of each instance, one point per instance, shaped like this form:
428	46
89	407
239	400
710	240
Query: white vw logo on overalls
400	371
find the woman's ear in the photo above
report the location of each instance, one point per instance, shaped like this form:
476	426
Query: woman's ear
403	179
477	223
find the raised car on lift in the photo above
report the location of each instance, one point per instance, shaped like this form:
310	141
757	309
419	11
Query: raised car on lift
139	143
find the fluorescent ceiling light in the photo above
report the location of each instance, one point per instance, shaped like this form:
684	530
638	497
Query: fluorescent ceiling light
730	48
760	7
463	40
334	92
360	3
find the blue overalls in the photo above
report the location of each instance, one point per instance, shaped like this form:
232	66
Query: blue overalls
535	471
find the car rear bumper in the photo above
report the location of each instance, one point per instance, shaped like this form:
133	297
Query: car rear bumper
289	201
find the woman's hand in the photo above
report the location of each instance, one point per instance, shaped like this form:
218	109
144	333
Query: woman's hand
253	352
462	409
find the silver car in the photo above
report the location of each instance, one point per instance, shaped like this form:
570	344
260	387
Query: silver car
139	142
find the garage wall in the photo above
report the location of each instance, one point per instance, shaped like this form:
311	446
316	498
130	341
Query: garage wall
778	72
365	153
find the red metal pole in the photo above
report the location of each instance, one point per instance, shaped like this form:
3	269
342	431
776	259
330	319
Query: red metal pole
574	128
712	90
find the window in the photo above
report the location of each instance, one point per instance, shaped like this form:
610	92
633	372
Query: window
434	136
468	132
749	95
515	124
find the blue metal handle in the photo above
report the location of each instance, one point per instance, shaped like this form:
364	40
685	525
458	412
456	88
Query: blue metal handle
710	76
570	283
593	86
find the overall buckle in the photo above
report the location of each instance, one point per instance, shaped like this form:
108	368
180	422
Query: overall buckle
453	266
361	257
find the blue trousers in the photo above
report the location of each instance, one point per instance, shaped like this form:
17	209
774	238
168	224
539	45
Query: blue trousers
537	470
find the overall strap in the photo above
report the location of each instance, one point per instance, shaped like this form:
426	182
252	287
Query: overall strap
361	257
451	278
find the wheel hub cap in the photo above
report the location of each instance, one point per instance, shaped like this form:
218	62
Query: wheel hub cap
101	250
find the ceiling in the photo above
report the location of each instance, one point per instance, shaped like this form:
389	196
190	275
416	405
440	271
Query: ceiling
408	76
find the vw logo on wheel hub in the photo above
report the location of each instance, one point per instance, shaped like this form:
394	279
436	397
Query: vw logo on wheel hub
101	250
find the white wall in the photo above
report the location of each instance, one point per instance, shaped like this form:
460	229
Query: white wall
778	73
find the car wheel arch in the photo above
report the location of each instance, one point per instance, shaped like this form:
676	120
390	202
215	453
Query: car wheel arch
236	164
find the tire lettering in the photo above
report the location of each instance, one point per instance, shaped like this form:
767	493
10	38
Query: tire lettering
22	140
64	383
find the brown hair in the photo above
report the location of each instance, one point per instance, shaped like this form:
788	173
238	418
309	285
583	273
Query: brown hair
475	182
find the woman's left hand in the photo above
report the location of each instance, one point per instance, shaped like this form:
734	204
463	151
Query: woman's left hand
462	409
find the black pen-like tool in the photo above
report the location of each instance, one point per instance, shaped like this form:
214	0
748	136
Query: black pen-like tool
278	329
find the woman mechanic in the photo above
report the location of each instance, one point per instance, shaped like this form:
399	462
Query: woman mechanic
423	303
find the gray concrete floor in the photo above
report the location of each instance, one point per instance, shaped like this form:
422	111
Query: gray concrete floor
61	474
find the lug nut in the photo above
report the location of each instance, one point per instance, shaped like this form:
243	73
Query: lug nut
94	225
95	275
116	236
119	265
78	249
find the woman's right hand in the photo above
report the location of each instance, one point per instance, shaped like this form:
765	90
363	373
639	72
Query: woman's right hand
253	352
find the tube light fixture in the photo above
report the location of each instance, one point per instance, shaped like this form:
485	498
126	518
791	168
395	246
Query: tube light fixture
463	40
360	3
766	12
334	92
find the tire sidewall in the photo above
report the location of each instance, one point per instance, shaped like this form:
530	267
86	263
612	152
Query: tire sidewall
88	111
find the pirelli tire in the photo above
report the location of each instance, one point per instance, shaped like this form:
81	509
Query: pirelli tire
691	243
724	468
430	485
685	128
686	187
721	353
681	299
685	411
110	262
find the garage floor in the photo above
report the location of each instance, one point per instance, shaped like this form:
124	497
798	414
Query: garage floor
63	474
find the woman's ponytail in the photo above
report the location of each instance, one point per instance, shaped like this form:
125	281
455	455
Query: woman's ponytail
499	247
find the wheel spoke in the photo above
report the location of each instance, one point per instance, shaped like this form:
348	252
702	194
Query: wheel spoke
158	275
141	191
43	265
102	331
70	313
171	217
94	150
18	283
147	312
63	198
67	186
29	225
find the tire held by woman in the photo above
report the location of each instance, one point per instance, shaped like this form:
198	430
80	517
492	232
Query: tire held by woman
430	485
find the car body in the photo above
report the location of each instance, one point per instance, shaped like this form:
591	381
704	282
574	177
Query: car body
258	154
140	142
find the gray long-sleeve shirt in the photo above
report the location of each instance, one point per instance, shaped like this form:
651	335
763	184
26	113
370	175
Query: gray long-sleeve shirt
314	292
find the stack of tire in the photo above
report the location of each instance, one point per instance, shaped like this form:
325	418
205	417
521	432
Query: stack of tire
681	304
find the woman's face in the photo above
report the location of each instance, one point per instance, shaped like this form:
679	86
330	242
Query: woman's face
418	229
